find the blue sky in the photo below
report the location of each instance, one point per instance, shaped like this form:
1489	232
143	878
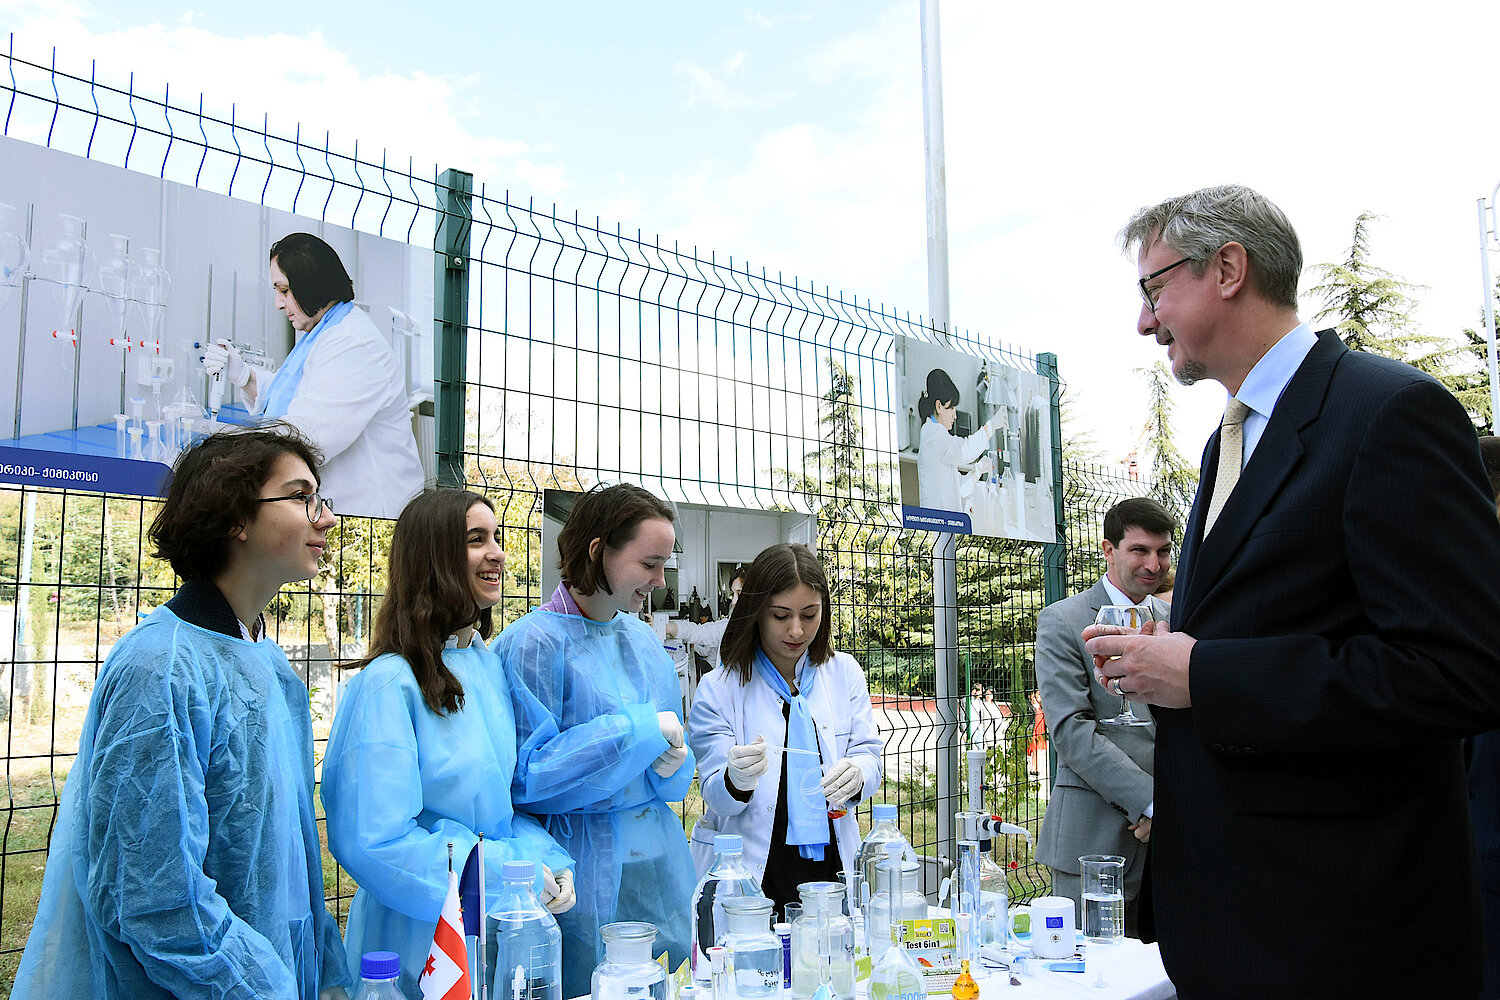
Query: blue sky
790	134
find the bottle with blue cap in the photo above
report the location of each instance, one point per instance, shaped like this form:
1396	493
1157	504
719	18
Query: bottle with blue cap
726	878
885	833
528	942
378	972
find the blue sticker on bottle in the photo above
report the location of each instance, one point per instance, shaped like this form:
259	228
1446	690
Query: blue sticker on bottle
1054	922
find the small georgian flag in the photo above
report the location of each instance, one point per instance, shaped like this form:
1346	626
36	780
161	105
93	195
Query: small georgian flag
445	976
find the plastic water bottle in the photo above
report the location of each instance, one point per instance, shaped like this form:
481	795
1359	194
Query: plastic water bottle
378	972
528	944
726	878
885	833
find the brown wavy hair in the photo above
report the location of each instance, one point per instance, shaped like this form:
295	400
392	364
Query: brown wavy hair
214	489
428	596
776	570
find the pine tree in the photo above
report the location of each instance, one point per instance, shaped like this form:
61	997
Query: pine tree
1373	307
1174	479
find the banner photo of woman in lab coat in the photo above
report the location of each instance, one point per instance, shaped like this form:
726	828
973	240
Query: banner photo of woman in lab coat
140	314
975	444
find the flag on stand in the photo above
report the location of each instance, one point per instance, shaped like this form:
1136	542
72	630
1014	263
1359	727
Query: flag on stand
446	974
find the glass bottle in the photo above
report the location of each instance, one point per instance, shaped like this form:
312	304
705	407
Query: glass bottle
885	832
628	971
378	972
527	939
822	942
754	952
897	976
725	879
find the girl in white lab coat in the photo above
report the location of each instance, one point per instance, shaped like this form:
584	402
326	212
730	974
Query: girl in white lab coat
781	687
940	452
341	385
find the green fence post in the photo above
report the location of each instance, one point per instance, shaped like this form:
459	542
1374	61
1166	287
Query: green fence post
1054	553
450	314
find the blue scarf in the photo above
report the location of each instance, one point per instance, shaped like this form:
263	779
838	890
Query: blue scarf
806	815
289	375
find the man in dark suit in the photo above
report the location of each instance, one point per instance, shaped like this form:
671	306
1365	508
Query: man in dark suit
1101	798
1332	638
1483	753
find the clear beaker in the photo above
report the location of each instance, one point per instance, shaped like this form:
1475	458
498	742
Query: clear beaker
1103	889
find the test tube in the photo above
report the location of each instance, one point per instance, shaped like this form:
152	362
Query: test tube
122	443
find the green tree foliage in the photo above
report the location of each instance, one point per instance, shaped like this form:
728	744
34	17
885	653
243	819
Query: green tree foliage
1470	379
1373	307
1174	480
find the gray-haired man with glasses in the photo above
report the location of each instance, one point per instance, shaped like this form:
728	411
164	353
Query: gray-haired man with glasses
1331	640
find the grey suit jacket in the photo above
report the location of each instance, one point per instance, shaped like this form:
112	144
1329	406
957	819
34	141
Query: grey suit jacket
1103	782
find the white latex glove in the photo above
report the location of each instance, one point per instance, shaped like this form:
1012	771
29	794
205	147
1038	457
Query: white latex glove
997	422
842	782
671	727
667	764
222	358
557	890
747	763
660	628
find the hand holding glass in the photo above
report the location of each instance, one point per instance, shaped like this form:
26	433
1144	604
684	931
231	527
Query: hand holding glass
1130	617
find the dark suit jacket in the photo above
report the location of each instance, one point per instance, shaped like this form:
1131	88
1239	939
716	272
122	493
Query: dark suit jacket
1484	812
1310	806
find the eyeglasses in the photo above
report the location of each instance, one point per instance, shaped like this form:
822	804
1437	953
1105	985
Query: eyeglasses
1150	295
312	502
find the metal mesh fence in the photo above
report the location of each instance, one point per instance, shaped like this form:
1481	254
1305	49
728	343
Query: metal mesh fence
591	355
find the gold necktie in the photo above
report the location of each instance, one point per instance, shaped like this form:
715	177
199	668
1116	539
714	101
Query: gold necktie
1231	457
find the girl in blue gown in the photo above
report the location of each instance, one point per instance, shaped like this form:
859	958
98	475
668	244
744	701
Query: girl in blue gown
602	749
423	745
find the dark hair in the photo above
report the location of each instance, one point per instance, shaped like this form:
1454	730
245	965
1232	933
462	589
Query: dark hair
1139	512
612	513
313	271
776	570
1168	581
940	389
1489	450
428	596
738	574
213	489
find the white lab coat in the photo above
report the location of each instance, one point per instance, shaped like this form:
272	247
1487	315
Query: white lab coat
352	404
728	713
938	459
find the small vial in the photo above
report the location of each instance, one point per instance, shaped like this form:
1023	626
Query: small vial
784	935
122	443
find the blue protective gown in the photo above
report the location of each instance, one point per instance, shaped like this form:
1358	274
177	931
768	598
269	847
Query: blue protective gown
185	861
401	782
586	696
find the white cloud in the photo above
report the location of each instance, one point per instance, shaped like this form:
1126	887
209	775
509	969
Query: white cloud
302	78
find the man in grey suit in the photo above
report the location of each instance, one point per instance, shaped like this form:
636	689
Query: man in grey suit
1102	797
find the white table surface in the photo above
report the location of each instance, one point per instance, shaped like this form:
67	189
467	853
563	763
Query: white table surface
1132	971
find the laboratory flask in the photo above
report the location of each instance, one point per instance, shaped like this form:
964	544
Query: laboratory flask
725	879
528	944
628	972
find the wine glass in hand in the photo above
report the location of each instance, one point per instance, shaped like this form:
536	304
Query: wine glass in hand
1131	617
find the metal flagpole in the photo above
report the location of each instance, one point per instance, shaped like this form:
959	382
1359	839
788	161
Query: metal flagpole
1488	228
945	545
